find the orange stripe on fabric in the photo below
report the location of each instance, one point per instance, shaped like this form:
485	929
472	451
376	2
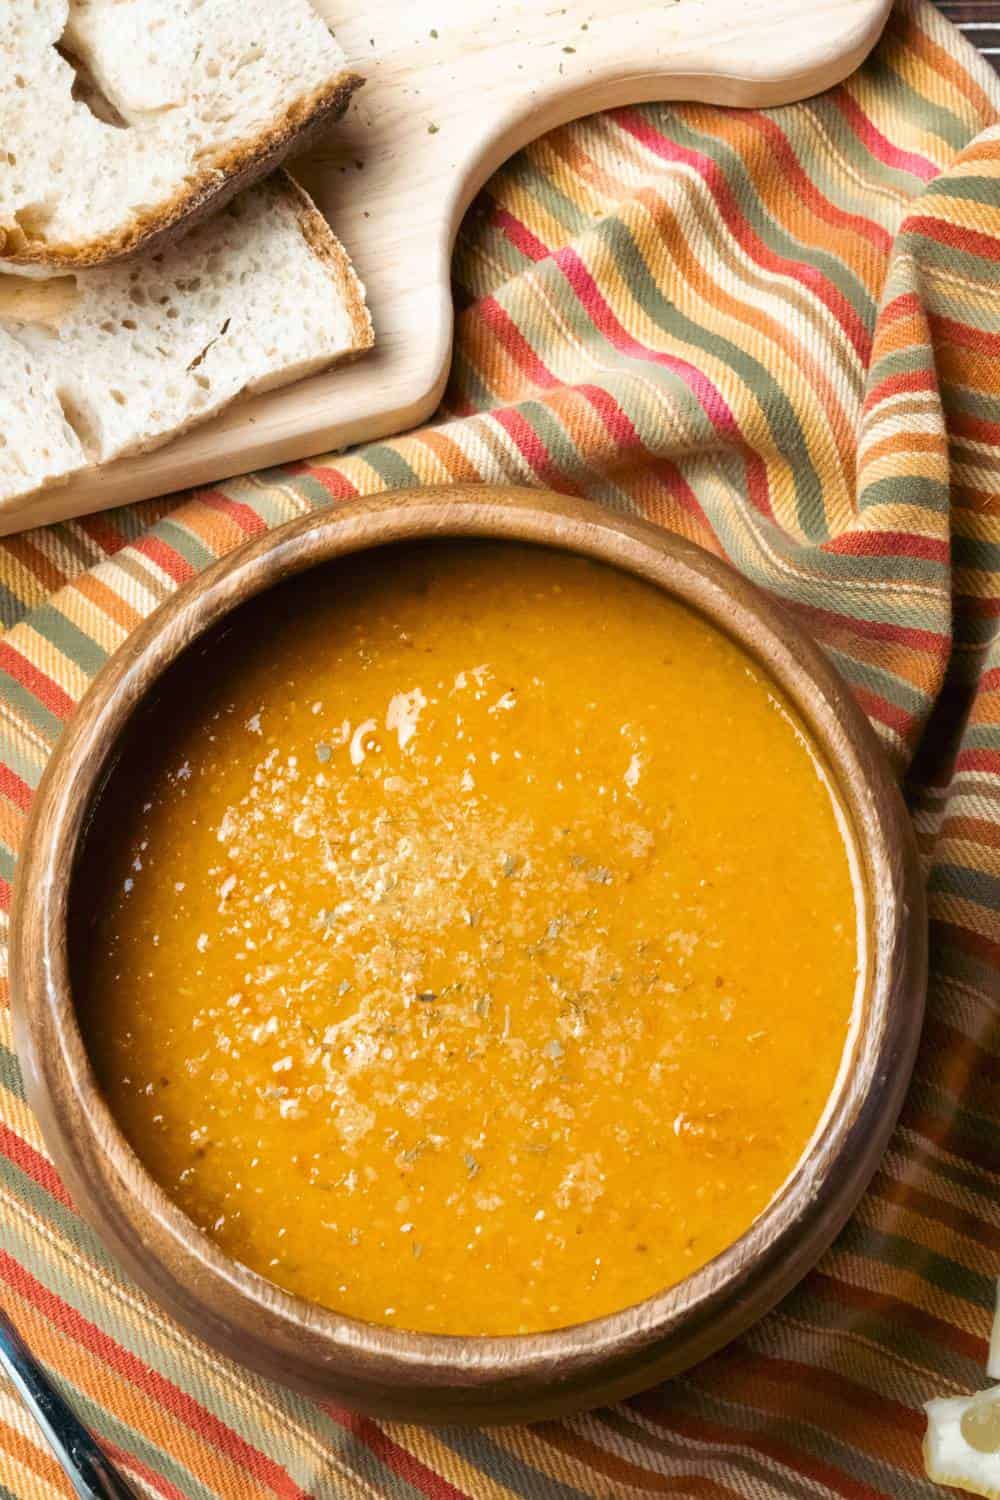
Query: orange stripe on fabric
210	1431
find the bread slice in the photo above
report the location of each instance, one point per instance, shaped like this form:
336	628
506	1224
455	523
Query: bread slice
122	119
257	296
37	444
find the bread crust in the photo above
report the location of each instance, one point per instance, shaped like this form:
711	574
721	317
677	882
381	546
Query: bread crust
217	180
324	243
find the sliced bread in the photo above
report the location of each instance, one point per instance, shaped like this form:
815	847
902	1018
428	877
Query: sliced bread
122	119
37	444
257	296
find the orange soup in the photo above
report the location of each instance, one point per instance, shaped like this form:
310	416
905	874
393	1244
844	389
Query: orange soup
469	938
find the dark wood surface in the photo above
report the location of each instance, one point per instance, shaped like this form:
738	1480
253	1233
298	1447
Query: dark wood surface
980	20
386	1371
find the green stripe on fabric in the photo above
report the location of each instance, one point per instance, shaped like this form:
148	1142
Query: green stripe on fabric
477	1448
940	1271
817	1302
10	1073
131	1440
768	230
881	174
47	1210
15	757
306	487
184	543
902	694
29	707
975	553
89	1297
934	118
972	885
526	172
909	489
778	411
390	466
12	607
879	1477
81	649
472	384
560	447
676	1450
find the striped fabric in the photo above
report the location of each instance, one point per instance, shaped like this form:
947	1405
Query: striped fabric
779	334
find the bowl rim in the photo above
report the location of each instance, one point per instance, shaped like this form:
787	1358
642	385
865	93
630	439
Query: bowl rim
312	1346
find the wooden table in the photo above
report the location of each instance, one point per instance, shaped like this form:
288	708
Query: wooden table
980	20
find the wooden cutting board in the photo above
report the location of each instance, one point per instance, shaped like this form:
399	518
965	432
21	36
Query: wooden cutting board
453	88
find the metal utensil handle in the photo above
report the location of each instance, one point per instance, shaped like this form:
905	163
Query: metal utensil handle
92	1476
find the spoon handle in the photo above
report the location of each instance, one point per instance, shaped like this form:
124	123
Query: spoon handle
88	1471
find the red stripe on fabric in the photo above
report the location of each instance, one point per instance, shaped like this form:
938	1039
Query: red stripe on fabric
963	424
531	447
615	420
790	1456
976	943
678	488
202	1421
874	630
847	1393
890	544
784	160
954	236
171	562
5	894
395	1457
510	338
244	516
332	481
708	395
952	1134
877	144
978	758
14	789
737	224
899	384
102	531
980	609
128	1462
34	1164
947	331
880	708
519	234
906	305
990	680
48	693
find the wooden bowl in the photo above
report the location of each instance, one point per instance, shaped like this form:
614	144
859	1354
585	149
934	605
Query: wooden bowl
437	1378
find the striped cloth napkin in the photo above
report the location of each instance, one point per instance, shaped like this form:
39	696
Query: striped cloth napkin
777	332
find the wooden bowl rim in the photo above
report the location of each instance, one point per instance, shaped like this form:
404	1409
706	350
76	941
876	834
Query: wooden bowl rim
162	1247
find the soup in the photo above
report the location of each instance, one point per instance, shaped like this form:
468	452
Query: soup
468	938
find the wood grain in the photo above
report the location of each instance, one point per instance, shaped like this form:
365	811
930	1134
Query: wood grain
454	87
420	1376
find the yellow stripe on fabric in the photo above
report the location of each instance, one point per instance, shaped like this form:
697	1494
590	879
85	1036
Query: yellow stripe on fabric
56	1260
